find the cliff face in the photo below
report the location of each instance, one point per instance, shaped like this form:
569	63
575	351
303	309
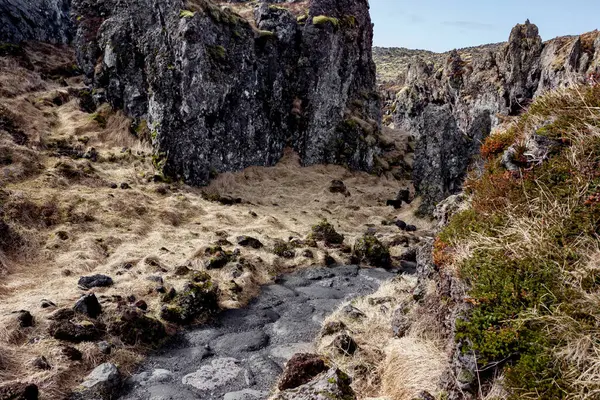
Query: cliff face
451	105
41	20
220	94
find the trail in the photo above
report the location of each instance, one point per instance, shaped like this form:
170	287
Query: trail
241	356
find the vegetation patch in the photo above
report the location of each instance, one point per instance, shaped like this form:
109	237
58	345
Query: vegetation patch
323	19
528	250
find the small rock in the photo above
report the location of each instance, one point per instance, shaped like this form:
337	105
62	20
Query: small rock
93	281
308	254
133	327
62	235
91	154
253	214
88	305
411	228
155	278
334	384
394	203
328	260
181	270
47	304
41	363
104	347
142	305
161	289
409	255
352	312
404	195
114	186
102	382
419	293
332	327
248	241
400	322
344	345
337	186
301	369
423	395
72	353
131	298
400	224
125	185
25	319
18	391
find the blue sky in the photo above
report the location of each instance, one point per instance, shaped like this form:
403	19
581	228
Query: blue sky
441	25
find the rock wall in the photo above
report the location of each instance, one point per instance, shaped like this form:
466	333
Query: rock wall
41	20
452	106
220	93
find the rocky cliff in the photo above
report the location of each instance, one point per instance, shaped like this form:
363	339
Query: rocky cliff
41	20
452	102
219	92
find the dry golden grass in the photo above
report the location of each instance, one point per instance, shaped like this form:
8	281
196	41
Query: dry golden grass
385	366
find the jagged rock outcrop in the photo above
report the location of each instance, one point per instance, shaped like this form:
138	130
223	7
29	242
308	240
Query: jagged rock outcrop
452	105
40	20
220	95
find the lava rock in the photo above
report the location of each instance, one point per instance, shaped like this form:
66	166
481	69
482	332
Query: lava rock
301	369
72	353
400	224
196	300
47	304
93	281
369	249
18	391
142	305
332	327
76	331
88	305
41	363
25	319
328	260
248	241
337	186
102	382
344	345
133	327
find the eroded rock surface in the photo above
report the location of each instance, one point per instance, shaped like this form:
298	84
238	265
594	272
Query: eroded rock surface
217	94
243	354
41	20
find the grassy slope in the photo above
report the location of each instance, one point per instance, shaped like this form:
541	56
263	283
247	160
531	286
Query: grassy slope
528	247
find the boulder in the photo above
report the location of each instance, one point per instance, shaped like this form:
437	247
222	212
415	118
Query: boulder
102	383
133	327
25	319
197	300
301	369
370	250
76	331
88	305
88	282
331	385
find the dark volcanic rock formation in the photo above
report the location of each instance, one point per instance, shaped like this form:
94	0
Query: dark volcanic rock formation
452	102
41	20
220	95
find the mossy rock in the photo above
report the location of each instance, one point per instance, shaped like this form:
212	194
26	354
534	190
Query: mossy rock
284	249
325	232
195	301
370	250
134	327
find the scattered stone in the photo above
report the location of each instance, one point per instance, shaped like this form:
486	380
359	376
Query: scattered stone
41	363
76	331
104	347
102	382
337	186
334	384
325	232
47	304
404	195
328	260
248	241
72	353
301	369
25	319
253	214
352	312
62	235
344	344
332	327
400	322
18	391
400	224
308	254
141	304
182	270
155	278
369	249
133	327
88	282
114	186
411	228
88	305
210	377
394	203
125	185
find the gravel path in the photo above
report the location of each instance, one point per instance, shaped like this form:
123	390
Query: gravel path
242	355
